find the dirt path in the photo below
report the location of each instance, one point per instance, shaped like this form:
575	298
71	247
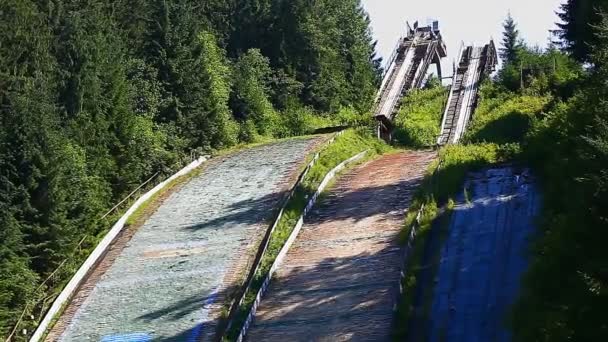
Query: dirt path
340	279
167	280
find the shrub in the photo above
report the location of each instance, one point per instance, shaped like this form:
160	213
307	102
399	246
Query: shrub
503	117
419	120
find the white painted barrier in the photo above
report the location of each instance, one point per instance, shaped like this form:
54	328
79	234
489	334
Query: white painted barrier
292	237
100	251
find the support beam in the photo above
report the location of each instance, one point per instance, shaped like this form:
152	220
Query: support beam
437	62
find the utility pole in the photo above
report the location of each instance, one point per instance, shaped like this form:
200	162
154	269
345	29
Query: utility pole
554	65
521	75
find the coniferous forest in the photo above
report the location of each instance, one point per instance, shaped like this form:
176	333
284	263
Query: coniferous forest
97	96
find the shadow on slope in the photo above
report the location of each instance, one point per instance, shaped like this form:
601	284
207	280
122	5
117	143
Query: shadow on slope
349	297
249	212
364	286
509	128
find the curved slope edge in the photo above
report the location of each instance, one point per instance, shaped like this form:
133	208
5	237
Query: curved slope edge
101	249
172	278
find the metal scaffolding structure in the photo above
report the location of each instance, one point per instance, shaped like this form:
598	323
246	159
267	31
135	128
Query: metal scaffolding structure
406	70
474	63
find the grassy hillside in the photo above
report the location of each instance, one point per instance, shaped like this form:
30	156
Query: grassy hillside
419	119
557	124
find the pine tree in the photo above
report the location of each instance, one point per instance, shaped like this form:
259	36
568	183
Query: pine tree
210	94
96	95
510	41
250	101
580	19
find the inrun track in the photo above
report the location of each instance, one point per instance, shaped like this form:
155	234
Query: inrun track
169	281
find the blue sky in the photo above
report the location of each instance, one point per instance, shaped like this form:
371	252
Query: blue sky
471	21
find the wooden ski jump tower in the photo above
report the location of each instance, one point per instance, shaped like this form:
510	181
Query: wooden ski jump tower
474	64
406	70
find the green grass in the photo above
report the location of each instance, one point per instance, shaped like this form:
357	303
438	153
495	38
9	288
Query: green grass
296	121
419	119
458	160
413	265
347	145
433	220
503	118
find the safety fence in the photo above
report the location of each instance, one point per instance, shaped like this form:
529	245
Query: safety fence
98	253
413	233
264	245
283	252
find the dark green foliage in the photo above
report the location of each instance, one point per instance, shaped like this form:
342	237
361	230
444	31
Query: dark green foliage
28	121
510	41
97	96
538	72
324	46
579	26
251	102
530	67
419	119
565	289
565	295
559	120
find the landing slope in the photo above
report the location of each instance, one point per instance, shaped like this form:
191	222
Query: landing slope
340	279
483	257
168	281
